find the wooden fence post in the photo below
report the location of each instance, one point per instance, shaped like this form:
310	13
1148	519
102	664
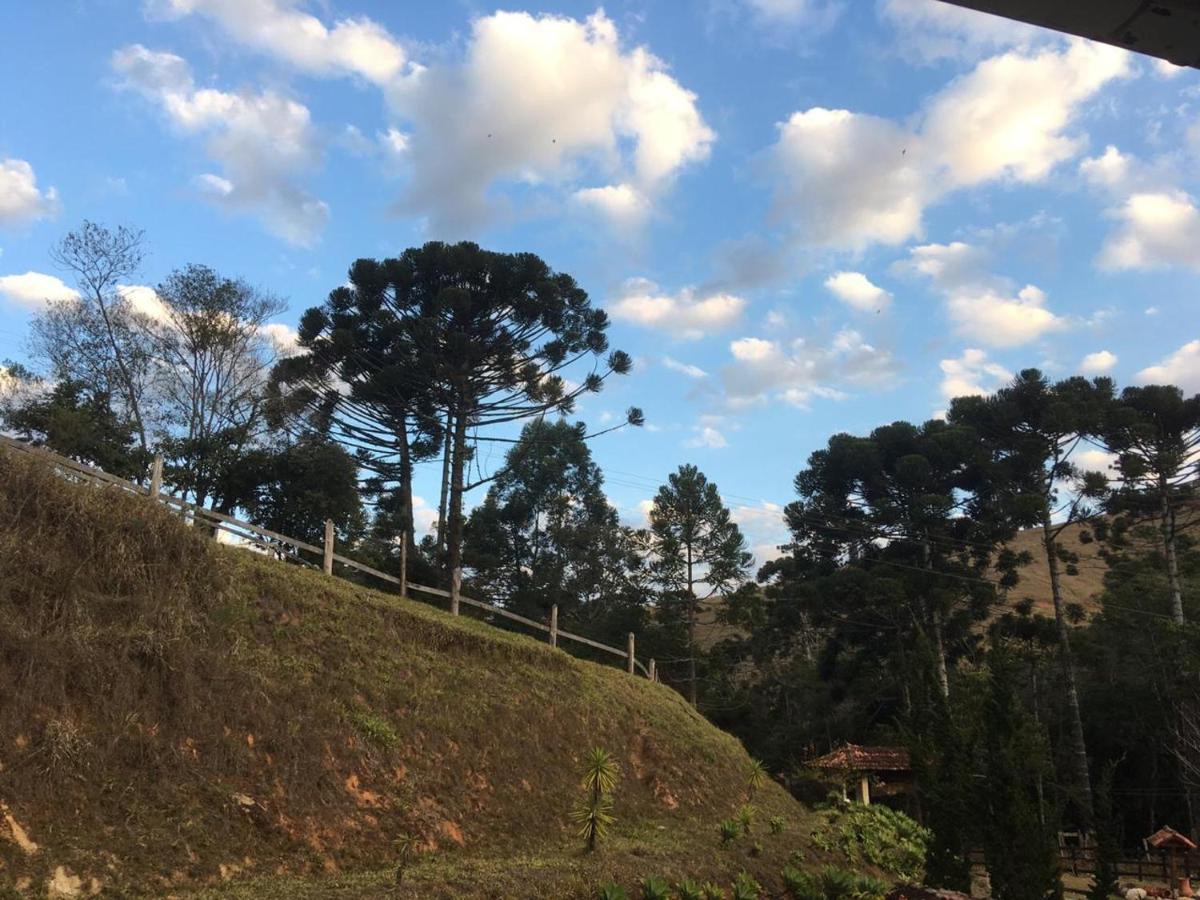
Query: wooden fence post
653	676
404	564
554	625
328	561
156	476
631	657
455	589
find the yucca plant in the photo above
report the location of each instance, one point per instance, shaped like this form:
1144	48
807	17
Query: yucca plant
655	888
756	776
712	891
745	816
730	831
611	891
688	890
746	888
777	824
594	813
406	846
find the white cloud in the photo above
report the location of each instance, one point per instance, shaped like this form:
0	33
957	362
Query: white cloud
34	289
931	30
798	371
813	14
1095	460
706	436
764	527
1112	170
284	339
983	307
845	180
21	201
353	46
1098	363
1155	229
683	368
1181	368
621	204
1003	321
971	374
856	290
683	315
263	142
1167	70
545	101
144	300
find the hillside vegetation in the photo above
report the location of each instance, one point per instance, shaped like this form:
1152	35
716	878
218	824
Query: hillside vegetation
178	714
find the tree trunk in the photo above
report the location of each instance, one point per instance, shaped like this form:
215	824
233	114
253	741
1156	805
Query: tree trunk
442	502
1168	535
692	696
939	649
1079	760
455	532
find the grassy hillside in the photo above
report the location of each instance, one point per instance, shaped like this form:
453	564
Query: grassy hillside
178	714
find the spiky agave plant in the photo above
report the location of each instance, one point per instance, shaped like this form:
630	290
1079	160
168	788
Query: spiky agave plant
746	888
688	890
745	816
594	813
756	776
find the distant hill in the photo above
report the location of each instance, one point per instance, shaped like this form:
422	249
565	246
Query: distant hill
177	713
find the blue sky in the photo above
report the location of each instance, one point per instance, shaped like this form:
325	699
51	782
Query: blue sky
804	216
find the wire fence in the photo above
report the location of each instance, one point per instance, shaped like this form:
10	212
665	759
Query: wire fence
290	549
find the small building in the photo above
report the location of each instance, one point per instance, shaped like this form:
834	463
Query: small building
1172	845
853	762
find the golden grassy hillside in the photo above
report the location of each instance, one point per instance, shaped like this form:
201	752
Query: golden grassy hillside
178	714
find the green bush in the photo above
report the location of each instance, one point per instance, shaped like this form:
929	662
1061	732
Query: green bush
832	883
776	824
711	891
730	831
746	814
746	888
611	891
688	890
878	836
655	888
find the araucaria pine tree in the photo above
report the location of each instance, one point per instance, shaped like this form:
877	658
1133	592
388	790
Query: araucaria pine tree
698	549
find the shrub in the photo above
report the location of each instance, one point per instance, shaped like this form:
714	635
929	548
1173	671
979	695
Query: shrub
876	835
776	824
832	883
730	831
688	890
655	888
745	816
593	815
376	729
756	776
746	888
406	848
611	891
711	891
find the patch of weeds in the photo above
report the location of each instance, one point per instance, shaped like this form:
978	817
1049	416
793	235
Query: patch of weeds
611	891
746	888
655	888
730	831
375	728
712	891
745	817
688	890
776	824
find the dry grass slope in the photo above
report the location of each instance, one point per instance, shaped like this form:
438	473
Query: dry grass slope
176	713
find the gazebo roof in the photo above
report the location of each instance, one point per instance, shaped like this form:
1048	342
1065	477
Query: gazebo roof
1167	837
853	758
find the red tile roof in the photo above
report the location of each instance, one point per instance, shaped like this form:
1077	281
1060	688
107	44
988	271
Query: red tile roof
854	758
1169	837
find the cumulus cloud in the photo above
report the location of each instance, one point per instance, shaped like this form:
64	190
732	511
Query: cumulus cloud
931	30
814	15
706	436
21	201
1154	229
683	368
764	527
284	339
798	371
1181	368
352	46
983	307
144	300
33	290
845	180
1002	320
262	141
1098	363
972	374
856	290
546	101
535	102
685	314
